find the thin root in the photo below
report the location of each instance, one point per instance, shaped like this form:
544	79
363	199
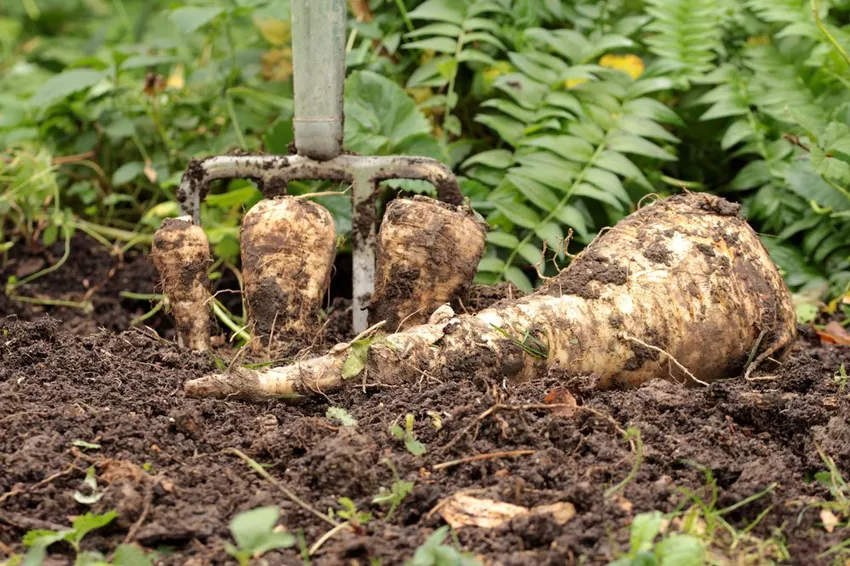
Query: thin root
479	457
687	372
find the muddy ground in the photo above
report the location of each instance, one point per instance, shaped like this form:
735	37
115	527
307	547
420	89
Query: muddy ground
66	376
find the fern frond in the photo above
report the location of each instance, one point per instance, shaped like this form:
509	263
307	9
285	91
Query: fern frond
575	135
685	35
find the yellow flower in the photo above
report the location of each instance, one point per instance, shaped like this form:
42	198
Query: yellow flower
631	64
176	80
274	31
572	83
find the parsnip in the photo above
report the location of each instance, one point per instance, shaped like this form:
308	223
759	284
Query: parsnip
288	247
428	253
682	279
181	254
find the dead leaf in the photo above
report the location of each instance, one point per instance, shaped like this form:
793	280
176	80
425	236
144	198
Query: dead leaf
29	266
466	511
830	521
567	403
834	333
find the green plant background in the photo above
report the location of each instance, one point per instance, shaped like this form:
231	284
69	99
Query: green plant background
557	116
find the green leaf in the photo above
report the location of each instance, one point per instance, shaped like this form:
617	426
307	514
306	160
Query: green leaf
127	172
515	275
830	167
644	529
519	214
653	110
739	131
357	357
89	522
551	233
379	114
502	239
491	264
64	85
128	555
808	184
622	165
341	415
438	44
273	541
532	254
568	147
414	447
439	10
250	528
644	127
495	158
191	18
535	192
680	550
639	146
508	129
754	174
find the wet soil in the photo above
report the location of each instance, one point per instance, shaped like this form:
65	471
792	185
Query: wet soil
165	462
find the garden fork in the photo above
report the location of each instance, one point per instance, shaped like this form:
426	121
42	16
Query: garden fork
318	44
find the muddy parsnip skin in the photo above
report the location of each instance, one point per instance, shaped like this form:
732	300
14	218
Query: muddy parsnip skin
684	277
288	245
428	253
181	254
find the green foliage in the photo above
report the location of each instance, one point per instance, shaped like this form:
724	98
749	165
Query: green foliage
407	435
434	553
395	495
558	116
350	513
341	415
673	549
255	534
38	541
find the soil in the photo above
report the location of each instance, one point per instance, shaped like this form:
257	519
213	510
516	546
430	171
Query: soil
163	462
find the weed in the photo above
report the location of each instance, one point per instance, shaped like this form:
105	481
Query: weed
407	435
38	541
532	345
673	549
434	553
395	495
350	513
841	379
255	534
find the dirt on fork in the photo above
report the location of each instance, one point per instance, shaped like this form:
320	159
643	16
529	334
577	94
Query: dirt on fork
162	460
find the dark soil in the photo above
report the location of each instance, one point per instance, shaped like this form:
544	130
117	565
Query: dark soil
161	466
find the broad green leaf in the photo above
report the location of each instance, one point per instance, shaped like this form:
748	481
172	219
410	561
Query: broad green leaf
589	191
491	264
515	275
608	182
644	529
250	527
502	239
680	550
414	446
138	61
754	174
526	91
443	29
639	146
273	541
725	109
89	522
127	173
836	140
481	37
519	214
191	18
537	193
510	108
829	167
438	44
644	127
379	114
647	86
622	165
739	131
805	182
508	129
568	147
652	109
64	85
571	217
450	11
496	158
528	67
531	253
476	56
566	101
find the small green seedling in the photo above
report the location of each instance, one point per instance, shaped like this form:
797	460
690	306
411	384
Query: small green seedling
255	534
395	495
39	540
841	378
340	415
434	553
673	550
406	434
350	513
94	496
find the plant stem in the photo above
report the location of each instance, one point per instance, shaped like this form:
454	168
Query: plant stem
225	317
235	121
815	4
403	9
114	233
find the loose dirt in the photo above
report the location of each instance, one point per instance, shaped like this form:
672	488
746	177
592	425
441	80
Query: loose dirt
161	466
